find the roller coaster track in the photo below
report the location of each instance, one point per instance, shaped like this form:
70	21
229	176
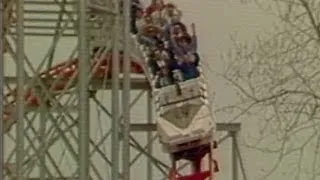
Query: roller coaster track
63	77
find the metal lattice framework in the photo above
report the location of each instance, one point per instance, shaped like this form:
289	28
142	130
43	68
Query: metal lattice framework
49	110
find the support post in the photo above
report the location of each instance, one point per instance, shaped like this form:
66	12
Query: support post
232	129
84	110
149	134
234	156
42	135
1	91
126	91
20	87
115	97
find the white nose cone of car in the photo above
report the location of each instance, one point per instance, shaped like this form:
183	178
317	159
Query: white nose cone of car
184	116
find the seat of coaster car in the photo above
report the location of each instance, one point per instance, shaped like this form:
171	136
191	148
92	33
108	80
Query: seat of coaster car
174	96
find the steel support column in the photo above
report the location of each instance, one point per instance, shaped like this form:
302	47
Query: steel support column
20	89
126	91
84	110
149	134
115	97
234	154
1	90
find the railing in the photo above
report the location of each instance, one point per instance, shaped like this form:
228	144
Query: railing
47	17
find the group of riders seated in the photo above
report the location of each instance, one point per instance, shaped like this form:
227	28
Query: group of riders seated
171	49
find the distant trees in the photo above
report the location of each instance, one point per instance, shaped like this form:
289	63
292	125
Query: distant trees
277	79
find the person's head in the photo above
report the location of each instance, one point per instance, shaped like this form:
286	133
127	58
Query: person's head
164	55
157	53
152	32
175	19
165	71
151	55
161	45
166	44
147	19
178	28
139	13
184	40
157	2
170	8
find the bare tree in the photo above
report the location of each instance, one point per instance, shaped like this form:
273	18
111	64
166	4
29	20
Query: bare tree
277	79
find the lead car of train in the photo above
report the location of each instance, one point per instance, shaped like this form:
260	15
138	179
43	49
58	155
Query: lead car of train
184	117
186	127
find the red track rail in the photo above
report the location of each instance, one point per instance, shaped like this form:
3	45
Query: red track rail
62	77
198	157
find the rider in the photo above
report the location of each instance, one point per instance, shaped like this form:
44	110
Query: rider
185	50
136	9
171	13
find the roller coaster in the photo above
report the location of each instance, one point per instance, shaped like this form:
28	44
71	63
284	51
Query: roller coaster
186	131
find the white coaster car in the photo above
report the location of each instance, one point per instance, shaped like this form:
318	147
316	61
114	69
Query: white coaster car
184	116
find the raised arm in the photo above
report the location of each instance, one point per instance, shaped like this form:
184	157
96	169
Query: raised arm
194	40
193	29
175	48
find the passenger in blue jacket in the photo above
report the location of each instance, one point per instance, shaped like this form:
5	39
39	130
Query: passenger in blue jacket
185	49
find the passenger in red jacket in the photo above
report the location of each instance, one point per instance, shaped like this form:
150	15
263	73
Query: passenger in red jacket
156	5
